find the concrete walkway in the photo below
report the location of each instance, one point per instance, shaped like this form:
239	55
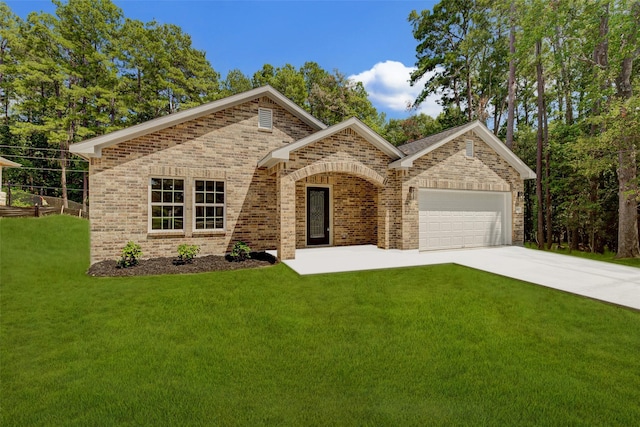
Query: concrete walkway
604	281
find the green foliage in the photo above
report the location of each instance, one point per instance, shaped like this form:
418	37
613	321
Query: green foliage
130	255
186	253
235	82
240	252
589	60
20	198
85	72
401	131
330	97
462	49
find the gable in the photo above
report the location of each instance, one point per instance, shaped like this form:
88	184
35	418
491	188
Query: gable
352	124
93	147
417	149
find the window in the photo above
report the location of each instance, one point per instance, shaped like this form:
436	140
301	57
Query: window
209	205
469	148
265	118
167	203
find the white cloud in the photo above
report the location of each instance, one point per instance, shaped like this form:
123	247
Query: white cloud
387	84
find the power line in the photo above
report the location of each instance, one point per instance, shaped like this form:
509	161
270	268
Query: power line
52	159
52	169
42	187
26	147
57	150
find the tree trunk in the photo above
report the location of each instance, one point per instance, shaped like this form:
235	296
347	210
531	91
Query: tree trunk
547	178
512	77
628	245
469	92
540	145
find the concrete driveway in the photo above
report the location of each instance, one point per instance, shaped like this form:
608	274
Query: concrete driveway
594	279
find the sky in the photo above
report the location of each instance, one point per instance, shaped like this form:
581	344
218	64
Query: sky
368	40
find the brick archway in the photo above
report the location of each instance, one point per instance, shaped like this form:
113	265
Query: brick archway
350	168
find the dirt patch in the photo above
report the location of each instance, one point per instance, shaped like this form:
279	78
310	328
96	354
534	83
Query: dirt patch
203	264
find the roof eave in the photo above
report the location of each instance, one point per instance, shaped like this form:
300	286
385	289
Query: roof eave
401	164
272	159
6	163
509	156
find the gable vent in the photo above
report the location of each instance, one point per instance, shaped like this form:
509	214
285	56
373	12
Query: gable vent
469	148
265	118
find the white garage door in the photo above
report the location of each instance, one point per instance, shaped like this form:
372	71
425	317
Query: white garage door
463	219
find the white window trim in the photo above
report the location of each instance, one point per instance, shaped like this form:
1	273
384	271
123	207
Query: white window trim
224	209
260	112
150	205
469	145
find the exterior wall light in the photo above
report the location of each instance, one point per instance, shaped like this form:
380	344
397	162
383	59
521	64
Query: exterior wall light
412	193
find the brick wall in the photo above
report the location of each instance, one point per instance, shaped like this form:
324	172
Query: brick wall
448	167
225	145
354	209
370	203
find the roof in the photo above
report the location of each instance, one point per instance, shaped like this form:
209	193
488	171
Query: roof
93	147
420	144
283	153
6	163
415	150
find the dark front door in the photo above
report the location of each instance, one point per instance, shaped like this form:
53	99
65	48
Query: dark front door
317	216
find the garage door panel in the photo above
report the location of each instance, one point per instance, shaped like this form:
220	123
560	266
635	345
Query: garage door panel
458	219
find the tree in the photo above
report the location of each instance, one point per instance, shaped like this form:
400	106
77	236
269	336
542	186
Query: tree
11	52
161	71
461	47
401	131
330	97
84	72
235	82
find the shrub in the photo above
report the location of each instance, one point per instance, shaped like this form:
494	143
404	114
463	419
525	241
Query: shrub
241	251
130	254
186	253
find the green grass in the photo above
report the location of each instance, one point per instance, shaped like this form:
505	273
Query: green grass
437	345
607	256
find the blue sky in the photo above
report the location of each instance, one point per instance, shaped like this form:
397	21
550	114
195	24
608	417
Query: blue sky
370	41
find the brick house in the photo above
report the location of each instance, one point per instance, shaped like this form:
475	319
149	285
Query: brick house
256	167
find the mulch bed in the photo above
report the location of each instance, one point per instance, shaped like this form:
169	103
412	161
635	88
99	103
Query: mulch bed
203	264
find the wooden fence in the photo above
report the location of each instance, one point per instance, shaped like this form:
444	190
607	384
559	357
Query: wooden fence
36	211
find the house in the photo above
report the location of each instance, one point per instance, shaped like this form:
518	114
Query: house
257	168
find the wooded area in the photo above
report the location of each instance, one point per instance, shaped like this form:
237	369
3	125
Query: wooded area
557	80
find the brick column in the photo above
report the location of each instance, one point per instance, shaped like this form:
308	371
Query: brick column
410	215
383	218
286	200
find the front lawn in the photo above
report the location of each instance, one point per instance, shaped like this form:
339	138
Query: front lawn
438	345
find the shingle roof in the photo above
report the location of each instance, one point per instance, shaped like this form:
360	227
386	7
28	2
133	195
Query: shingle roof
421	144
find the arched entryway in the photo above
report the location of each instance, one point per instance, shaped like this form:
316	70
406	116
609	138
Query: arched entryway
334	204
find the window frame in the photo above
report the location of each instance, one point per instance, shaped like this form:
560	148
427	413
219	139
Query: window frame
205	205
152	204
